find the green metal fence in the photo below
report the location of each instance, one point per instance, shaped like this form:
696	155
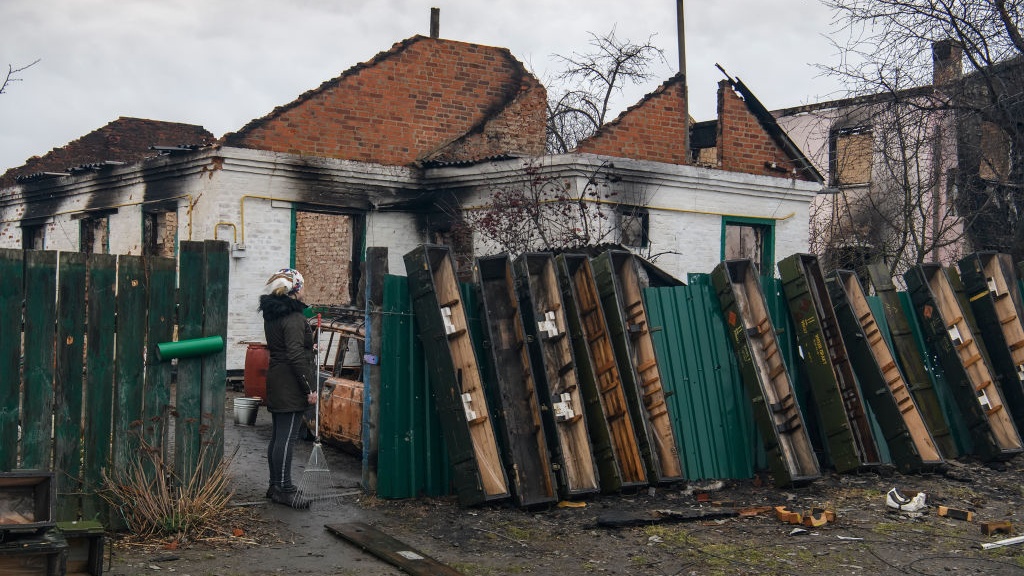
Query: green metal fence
81	391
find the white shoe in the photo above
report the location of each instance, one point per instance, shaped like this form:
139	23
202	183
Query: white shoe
897	501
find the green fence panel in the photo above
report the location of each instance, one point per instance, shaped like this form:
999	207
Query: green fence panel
187	448
711	414
99	393
40	320
216	264
68	385
160	273
412	459
130	350
12	296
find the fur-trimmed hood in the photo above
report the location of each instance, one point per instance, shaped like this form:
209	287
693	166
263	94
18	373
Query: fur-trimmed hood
275	307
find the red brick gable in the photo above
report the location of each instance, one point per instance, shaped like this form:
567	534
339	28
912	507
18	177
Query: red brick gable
743	143
654	129
123	140
425	99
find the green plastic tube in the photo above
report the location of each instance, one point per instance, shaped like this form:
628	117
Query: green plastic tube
189	348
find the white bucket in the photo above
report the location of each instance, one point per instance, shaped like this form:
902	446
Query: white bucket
246	411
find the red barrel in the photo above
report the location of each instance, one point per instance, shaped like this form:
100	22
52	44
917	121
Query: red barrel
257	360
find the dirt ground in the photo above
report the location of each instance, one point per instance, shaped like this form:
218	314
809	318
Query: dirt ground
864	539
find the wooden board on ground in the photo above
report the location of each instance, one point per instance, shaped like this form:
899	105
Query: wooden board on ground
389	549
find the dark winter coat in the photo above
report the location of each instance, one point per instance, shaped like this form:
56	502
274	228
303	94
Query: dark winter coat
290	342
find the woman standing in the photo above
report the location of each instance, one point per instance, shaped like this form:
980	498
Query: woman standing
290	377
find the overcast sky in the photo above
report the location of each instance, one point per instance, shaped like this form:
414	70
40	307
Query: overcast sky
221	63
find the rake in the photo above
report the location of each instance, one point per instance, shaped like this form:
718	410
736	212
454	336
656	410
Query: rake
316	483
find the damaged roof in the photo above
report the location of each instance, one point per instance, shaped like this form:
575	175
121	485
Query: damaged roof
426	100
124	140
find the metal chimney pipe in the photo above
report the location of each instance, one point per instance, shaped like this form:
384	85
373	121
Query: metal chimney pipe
435	22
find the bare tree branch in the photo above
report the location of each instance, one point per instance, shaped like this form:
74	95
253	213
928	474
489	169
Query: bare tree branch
12	74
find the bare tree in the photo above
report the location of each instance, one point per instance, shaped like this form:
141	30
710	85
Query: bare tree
12	75
948	121
580	99
545	212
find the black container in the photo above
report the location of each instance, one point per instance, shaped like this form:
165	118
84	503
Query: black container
27	502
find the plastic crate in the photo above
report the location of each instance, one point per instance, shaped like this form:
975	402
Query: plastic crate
27	502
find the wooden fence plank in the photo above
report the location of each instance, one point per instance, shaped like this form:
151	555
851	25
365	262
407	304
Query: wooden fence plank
160	278
99	393
190	325
12	295
68	385
128	369
214	378
40	319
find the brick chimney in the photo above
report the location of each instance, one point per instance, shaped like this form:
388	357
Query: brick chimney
947	62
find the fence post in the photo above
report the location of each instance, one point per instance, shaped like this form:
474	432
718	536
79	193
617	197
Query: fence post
40	320
214	373
99	369
68	389
12	295
376	269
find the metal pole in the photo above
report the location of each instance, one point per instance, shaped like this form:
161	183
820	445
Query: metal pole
681	33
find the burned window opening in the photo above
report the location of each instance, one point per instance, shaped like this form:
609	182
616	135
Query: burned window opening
634	226
850	153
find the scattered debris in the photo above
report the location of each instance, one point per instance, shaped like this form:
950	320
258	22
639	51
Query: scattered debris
895	500
627	519
570	504
956	513
996	527
1004	542
754	510
813	518
798	532
389	549
654	540
849	537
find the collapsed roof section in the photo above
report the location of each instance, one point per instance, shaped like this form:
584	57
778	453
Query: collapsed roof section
426	100
125	140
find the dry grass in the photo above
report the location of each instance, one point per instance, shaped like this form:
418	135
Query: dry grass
155	501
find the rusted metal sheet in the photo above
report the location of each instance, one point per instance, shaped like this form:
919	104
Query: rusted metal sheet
837	397
908	353
963	361
514	399
618	281
991	288
478	473
554	368
777	413
613	438
910	444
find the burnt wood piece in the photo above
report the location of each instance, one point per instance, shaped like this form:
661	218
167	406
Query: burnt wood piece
390	550
963	363
477	471
991	288
612	437
910	444
777	413
618	281
833	384
632	519
516	405
909	358
554	368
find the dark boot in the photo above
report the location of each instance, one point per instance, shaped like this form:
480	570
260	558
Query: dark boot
288	497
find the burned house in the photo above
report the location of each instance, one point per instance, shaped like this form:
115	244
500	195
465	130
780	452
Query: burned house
389	153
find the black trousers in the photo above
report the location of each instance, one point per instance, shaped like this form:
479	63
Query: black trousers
286	431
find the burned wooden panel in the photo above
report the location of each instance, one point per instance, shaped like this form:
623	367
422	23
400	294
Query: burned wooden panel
910	361
910	444
786	442
478	474
615	273
554	368
991	287
612	436
833	384
514	397
963	362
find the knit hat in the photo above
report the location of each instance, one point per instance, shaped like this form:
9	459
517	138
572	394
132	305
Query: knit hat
286	281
